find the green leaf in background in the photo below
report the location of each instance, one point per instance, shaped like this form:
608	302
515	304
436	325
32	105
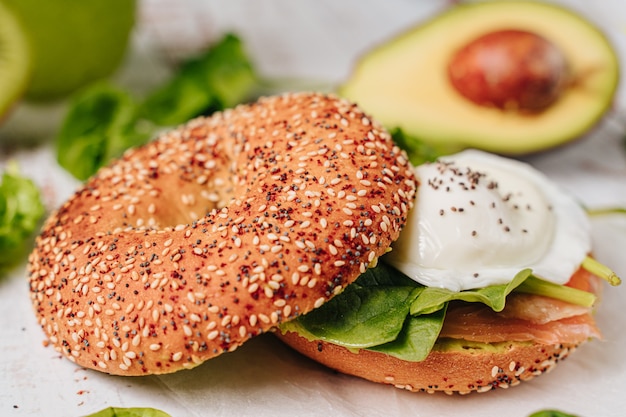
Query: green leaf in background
21	209
103	120
129	412
178	101
551	413
100	125
220	78
432	299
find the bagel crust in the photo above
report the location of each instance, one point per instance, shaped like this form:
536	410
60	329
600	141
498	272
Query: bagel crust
216	232
459	371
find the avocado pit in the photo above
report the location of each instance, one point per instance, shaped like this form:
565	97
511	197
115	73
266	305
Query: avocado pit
513	70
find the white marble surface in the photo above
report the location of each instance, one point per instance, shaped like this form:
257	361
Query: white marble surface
317	41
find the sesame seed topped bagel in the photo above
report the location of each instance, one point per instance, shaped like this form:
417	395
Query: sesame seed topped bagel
216	232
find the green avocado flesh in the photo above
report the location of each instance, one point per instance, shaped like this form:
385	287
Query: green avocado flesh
457	345
404	82
14	60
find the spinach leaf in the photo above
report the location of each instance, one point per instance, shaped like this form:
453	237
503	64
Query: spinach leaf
361	317
384	274
129	412
100	125
417	337
386	311
21	209
178	101
432	299
103	120
220	78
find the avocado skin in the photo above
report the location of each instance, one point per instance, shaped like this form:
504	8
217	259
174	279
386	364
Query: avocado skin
403	82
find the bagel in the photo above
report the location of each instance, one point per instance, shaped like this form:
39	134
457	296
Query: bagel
218	231
458	305
483	361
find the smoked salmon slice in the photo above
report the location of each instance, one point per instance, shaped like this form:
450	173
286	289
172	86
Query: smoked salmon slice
526	317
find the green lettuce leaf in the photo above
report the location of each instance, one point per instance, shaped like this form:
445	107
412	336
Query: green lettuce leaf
99	126
21	209
220	78
129	412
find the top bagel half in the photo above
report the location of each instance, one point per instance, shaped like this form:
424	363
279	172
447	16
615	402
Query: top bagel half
216	232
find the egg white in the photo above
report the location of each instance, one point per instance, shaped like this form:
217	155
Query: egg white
480	218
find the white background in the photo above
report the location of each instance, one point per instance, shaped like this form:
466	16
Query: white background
317	43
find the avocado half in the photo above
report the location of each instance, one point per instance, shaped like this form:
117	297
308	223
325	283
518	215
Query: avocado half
404	82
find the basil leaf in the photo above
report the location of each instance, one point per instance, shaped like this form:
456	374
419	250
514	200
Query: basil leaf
21	209
99	126
432	299
129	412
417	338
220	78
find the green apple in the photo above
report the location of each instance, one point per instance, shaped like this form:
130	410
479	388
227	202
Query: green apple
73	42
14	60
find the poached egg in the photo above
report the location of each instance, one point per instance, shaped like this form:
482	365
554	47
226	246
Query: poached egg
479	219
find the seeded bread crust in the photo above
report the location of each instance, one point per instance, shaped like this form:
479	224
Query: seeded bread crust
216	232
459	371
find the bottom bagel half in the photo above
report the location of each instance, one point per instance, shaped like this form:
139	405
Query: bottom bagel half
451	367
476	349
